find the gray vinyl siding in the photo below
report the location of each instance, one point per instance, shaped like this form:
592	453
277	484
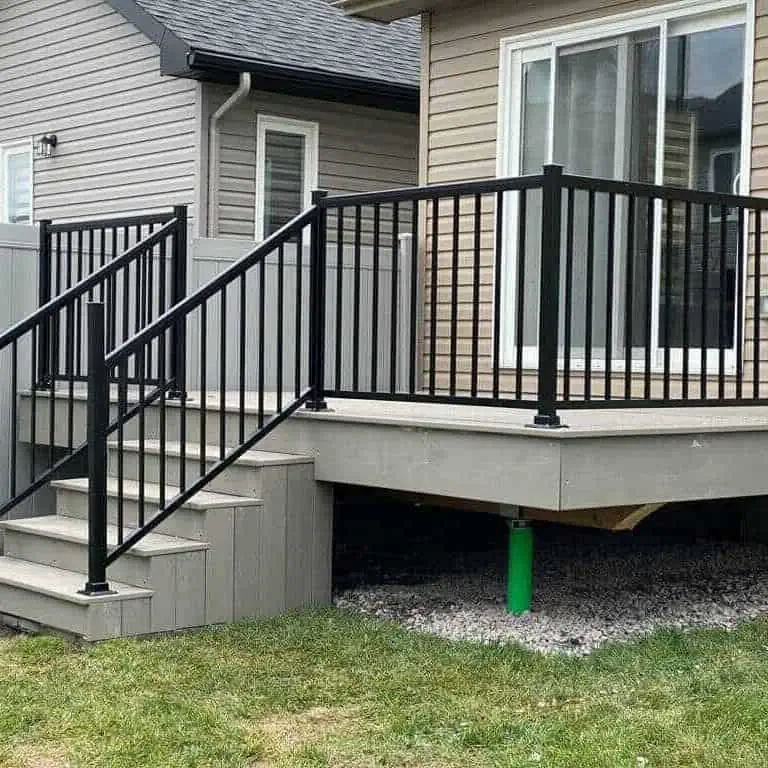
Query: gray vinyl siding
360	149
126	134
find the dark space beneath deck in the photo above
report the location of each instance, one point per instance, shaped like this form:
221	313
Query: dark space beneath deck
443	571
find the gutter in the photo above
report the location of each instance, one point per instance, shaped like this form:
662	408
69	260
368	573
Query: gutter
214	151
310	82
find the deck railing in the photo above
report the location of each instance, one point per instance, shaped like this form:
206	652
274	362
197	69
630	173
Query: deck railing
545	292
551	292
47	352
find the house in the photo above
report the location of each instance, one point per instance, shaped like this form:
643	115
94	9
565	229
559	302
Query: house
237	110
565	321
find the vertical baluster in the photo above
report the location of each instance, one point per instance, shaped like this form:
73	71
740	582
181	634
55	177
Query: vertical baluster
69	366
609	275
222	372
413	327
149	299
299	304
668	298
476	297
52	399
497	274
183	409
629	298
454	295
704	291
356	302
520	293
339	294
739	304
375	297
568	298
69	259
590	292
78	308
33	408
163	428
262	334
721	312
433	298
203	393
14	414
686	299
161	295
756	307
242	339
280	300
649	226
141	365
393	318
122	407
112	291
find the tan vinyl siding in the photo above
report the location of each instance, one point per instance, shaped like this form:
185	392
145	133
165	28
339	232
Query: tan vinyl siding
461	130
126	133
360	149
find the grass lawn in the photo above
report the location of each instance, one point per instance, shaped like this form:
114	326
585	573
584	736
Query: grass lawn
328	689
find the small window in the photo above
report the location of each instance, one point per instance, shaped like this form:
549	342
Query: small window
16	184
286	167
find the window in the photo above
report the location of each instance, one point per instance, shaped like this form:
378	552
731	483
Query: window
659	96
16	183
286	171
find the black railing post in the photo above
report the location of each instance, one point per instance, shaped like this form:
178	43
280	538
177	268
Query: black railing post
549	297
44	287
178	363
98	424
317	282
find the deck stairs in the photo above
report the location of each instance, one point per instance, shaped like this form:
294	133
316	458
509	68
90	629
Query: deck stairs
241	548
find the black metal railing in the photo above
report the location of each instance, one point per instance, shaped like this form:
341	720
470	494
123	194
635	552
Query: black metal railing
45	354
262	306
69	252
552	291
545	292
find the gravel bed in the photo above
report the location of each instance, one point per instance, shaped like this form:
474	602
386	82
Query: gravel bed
590	589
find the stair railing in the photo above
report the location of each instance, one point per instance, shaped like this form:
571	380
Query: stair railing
45	354
254	339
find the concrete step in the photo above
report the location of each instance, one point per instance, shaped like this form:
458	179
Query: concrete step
49	598
188	522
243	478
173	568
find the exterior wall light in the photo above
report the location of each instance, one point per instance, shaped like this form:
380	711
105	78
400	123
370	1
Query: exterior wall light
45	145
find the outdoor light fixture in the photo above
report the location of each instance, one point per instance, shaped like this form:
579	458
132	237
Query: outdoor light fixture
45	145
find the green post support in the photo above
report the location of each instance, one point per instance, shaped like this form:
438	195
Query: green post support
520	567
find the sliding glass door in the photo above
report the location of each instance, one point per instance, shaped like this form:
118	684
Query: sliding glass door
659	104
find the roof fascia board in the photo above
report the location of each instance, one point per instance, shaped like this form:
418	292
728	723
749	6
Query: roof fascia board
385	10
308	82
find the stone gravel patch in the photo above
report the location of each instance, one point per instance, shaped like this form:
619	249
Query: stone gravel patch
591	589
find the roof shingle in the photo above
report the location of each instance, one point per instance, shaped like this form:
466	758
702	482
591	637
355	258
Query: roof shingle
301	34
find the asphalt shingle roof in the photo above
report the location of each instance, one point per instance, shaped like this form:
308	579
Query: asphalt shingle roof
306	34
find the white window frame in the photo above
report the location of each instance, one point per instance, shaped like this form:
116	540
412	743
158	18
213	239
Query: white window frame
310	131
682	17
7	151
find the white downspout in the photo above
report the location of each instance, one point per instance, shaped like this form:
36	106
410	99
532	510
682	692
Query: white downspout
214	160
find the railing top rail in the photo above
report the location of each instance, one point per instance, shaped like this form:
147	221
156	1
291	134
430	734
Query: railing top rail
677	194
111	223
86	284
411	194
202	294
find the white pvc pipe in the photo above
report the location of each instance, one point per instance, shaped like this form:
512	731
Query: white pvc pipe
214	136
